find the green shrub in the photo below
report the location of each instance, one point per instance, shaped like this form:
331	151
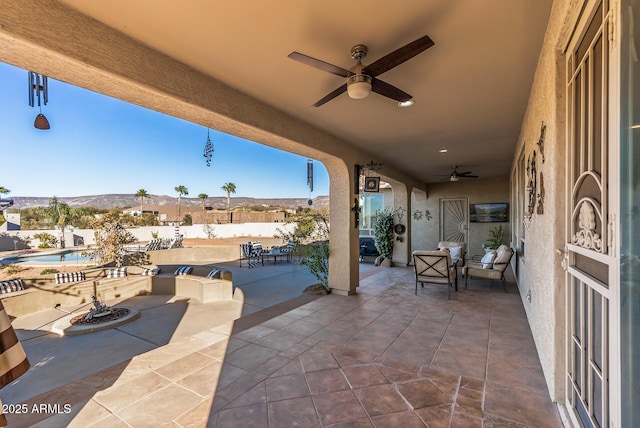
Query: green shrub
317	260
13	269
49	271
383	232
47	240
496	237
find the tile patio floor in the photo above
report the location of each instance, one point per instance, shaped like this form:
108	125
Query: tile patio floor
381	358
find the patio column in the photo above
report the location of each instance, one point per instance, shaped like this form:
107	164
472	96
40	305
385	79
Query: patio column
402	209
343	241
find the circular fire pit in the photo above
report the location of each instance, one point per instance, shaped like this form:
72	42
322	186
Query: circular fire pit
112	314
78	324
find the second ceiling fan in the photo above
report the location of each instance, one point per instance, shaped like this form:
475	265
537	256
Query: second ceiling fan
362	79
456	176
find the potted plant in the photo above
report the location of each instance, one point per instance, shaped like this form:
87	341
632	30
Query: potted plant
495	239
383	234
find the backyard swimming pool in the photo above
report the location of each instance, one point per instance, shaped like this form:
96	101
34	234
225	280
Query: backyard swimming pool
63	257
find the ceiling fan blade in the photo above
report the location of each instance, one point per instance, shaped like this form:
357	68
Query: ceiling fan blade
464	173
389	91
468	176
321	65
331	95
398	56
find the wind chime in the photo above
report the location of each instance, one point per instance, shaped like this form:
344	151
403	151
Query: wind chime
310	180
208	149
39	88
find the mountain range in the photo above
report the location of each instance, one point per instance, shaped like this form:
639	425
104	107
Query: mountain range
130	201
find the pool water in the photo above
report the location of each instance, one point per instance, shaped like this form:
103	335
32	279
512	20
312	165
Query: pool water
67	256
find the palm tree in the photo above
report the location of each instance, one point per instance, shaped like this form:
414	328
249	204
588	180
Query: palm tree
229	188
142	194
181	191
4	191
61	215
202	197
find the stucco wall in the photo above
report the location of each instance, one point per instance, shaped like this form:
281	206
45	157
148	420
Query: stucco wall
542	275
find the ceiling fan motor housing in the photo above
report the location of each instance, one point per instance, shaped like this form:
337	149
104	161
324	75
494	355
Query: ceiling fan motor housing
358	85
358	52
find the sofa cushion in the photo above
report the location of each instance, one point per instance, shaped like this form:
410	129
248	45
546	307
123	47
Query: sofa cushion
119	272
63	278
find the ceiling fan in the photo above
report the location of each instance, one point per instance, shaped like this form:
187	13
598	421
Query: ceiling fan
456	176
362	79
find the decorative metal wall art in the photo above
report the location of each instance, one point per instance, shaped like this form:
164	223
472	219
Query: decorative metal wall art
400	213
362	178
418	215
540	202
356	212
543	130
532	184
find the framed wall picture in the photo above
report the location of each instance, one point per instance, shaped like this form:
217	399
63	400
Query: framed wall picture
372	184
489	213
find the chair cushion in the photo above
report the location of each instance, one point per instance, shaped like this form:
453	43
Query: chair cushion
11	285
183	270
503	255
487	260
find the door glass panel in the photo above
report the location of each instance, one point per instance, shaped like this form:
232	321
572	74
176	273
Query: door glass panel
630	214
596	148
596	322
577	317
597	399
593	268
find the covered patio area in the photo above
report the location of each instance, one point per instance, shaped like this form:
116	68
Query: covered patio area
382	358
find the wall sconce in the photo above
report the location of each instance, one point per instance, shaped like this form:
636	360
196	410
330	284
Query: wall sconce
39	88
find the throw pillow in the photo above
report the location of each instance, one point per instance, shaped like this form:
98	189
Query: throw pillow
455	252
487	260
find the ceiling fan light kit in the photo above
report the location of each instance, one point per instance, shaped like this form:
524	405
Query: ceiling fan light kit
363	79
359	86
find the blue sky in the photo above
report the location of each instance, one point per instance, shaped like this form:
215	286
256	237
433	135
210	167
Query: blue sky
99	145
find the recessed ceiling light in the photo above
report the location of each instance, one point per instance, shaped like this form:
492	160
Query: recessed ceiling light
408	103
443	150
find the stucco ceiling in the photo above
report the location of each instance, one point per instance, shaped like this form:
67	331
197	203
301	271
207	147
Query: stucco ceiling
470	89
